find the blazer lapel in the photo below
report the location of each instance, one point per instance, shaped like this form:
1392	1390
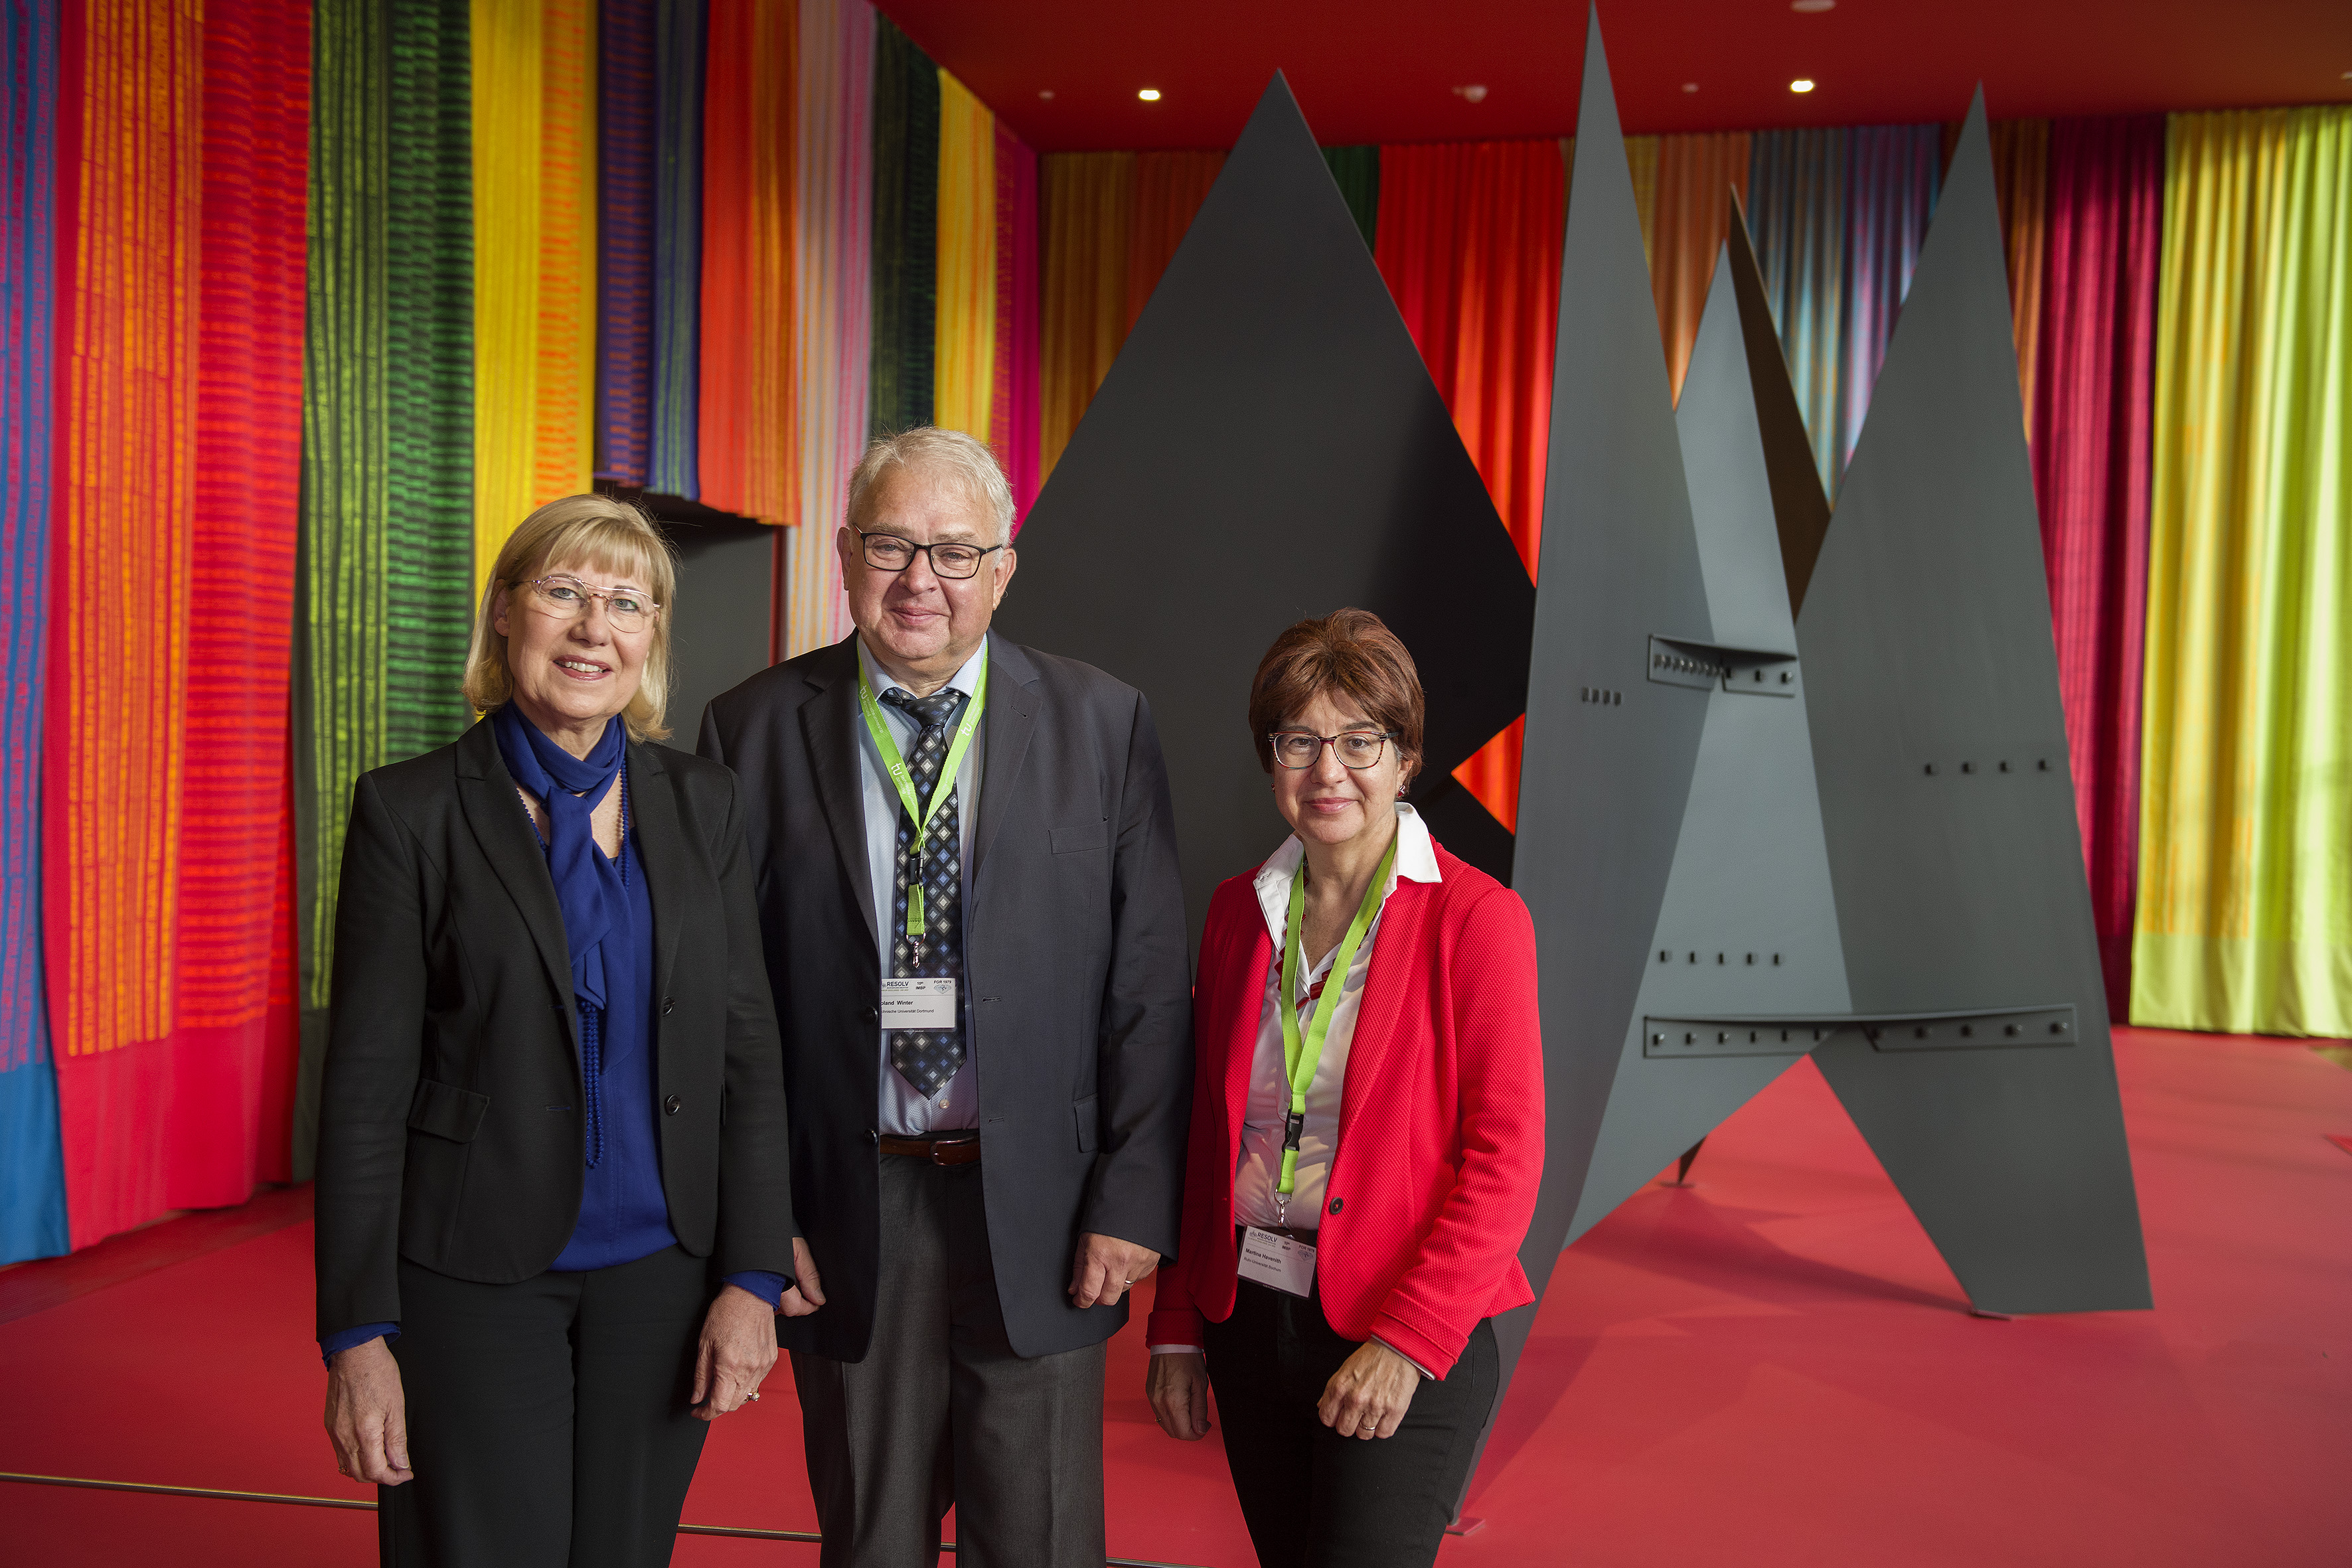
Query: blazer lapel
829	721
503	830
1011	718
1379	1019
653	812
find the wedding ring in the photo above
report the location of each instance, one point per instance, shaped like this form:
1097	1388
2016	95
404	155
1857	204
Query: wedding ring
753	1396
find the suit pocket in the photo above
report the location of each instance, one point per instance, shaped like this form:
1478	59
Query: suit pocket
1083	1111
1083	837
447	1111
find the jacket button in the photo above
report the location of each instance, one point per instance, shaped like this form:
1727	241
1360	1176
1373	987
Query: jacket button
1337	1203
874	1014
673	1105
667	1005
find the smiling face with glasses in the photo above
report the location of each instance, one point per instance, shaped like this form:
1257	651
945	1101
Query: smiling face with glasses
923	575
1337	773
576	645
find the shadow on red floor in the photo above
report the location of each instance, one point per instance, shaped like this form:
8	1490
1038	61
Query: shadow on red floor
1771	1366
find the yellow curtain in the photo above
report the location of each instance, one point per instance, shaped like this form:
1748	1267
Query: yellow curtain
1087	198
1689	221
2245	884
534	260
963	334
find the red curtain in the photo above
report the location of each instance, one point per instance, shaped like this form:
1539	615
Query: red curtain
1169	189
2093	388
1469	241
1013	412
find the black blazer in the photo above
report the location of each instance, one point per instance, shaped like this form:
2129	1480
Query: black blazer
1076	955
449	1125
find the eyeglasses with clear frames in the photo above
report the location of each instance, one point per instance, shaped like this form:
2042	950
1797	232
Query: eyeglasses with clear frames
1354	748
567	599
888	553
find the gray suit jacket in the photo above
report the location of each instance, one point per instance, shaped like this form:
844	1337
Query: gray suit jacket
1076	958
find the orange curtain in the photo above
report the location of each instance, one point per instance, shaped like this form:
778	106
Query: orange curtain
749	220
1088	202
1469	242
1696	180
1169	189
2020	167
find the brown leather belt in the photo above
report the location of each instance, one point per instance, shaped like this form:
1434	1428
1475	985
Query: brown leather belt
957	1151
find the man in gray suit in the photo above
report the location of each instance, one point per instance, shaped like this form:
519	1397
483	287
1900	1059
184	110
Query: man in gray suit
976	937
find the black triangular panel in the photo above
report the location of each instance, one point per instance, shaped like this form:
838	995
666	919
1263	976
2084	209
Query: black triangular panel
1941	750
1609	750
1800	511
1268	446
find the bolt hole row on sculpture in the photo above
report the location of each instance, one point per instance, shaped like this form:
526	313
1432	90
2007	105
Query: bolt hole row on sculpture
1895	829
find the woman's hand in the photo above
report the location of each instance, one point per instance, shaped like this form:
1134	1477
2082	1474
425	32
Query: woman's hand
1177	1387
807	1293
367	1414
1368	1396
738	1347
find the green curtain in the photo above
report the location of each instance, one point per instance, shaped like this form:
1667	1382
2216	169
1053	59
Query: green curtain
386	544
1358	172
906	229
2245	873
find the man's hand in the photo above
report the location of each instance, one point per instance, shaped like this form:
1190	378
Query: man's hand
1368	1396
739	1346
807	1293
1105	1267
1177	1387
367	1414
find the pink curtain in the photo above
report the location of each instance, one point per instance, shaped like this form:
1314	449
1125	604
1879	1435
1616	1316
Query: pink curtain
2091	470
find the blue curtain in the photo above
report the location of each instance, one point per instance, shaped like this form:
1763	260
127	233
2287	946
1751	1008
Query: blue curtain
1892	173
32	1167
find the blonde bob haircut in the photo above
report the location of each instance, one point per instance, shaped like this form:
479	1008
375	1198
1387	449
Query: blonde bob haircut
599	533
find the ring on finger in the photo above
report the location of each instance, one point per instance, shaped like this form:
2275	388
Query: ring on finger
753	1396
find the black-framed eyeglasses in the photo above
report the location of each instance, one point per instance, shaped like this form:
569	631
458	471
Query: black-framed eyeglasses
1354	748
888	553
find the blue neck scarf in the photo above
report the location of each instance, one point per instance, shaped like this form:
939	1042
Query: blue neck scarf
588	887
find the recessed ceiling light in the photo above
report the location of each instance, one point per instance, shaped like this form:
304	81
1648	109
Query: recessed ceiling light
1045	93
1149	94
1803	84
1690	86
1475	92
1812	5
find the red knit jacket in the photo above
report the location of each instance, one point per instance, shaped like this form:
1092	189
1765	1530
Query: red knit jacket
1441	1144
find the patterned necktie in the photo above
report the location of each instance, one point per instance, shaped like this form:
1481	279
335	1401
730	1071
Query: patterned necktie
927	1058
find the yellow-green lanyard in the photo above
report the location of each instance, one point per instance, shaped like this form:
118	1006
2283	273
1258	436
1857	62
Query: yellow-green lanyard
1301	1055
896	767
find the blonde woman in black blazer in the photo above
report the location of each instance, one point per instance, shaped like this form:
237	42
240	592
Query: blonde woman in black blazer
554	1205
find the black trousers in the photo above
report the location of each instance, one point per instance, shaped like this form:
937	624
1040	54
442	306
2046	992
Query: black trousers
1312	1498
942	1411
548	1422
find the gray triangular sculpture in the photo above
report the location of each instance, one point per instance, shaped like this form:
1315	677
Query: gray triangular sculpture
1877	863
1269	445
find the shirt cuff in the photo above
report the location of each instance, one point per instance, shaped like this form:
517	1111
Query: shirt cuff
1406	1359
1175	1350
768	1288
336	1344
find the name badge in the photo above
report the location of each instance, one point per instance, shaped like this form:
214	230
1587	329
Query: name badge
919	1004
1279	1261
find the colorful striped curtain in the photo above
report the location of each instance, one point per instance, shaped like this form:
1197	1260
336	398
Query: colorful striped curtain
1088	200
832	269
1013	419
1357	172
534	260
750	230
1797	214
1697	176
2091	467
2246	866
32	1173
1169	190
627	108
905	216
680	44
2020	167
963	341
1892	173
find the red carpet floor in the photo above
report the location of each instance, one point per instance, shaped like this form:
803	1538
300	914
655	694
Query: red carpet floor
1771	1366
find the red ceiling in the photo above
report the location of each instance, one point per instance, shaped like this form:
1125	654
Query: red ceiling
1384	70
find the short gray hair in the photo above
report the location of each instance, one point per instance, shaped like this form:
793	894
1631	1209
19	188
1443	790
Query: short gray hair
963	461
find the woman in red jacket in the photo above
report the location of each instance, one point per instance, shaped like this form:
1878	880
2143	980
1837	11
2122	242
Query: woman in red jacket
1365	1153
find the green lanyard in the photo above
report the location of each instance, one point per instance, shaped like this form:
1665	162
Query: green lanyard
896	767
1302	1056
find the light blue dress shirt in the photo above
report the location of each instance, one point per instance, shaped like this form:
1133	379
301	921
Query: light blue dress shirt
899	1109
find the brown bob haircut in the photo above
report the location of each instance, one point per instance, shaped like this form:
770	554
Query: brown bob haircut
1348	652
